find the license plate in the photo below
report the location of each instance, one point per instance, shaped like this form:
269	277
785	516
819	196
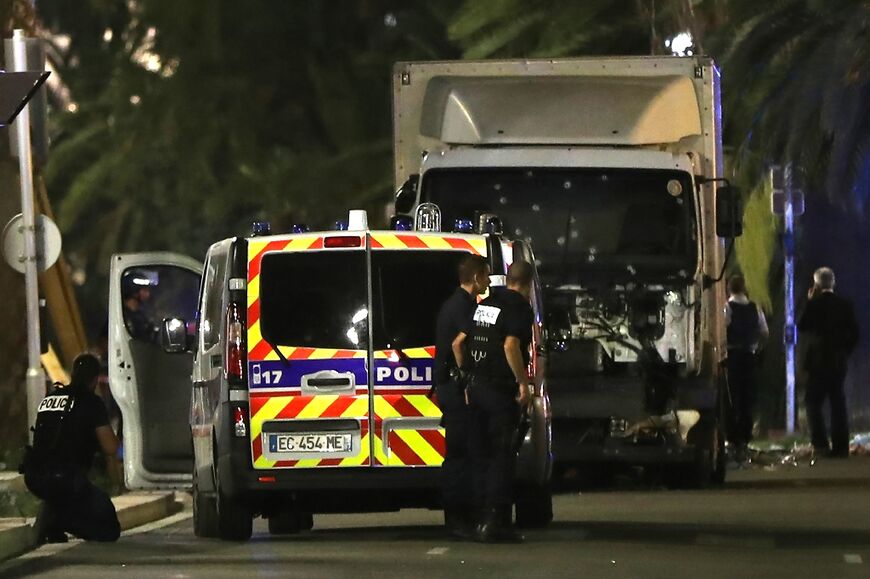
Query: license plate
316	443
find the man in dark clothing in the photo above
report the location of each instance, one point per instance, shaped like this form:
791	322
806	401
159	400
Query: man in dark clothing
829	325
454	318
498	388
71	426
136	293
746	327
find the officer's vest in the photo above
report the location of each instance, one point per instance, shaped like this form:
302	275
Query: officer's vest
486	346
743	330
51	434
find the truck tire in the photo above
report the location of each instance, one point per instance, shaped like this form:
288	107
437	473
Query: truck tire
708	465
205	517
534	507
290	523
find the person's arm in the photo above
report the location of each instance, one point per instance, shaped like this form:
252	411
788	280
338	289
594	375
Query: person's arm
763	330
458	347
514	355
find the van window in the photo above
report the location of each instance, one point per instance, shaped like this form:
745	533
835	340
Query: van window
409	288
314	299
152	294
210	325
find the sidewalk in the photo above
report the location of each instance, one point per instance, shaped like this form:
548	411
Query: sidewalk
17	535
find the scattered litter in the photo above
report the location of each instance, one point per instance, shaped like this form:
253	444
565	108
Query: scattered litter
775	456
437	551
853	558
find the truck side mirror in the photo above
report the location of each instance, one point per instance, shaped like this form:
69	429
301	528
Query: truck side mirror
729	212
406	196
173	336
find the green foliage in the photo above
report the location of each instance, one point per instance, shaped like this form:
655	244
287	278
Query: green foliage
757	245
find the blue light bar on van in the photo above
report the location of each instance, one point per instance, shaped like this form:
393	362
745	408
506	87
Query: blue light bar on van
300	228
463	226
341	225
261	228
401	223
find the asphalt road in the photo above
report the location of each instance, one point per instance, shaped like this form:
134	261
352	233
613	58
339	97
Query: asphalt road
817	530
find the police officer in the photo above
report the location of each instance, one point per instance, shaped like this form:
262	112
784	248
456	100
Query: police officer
453	319
498	389
71	426
746	327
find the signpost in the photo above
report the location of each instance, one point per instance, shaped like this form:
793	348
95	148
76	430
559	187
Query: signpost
32	81
787	201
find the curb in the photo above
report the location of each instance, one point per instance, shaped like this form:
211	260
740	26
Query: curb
17	535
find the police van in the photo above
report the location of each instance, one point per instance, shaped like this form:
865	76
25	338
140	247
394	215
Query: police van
311	360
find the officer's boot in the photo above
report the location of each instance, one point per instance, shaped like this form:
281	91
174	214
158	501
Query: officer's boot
45	527
497	527
459	523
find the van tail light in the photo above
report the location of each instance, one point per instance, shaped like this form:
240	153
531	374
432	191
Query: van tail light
240	422
235	354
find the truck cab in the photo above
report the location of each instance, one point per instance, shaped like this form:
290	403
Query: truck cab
308	362
611	167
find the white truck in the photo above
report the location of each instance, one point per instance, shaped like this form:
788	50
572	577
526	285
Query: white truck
611	168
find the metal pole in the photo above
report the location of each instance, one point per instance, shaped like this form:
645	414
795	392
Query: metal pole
35	373
789	333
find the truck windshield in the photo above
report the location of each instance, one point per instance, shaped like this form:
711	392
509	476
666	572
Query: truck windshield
628	221
314	299
318	299
409	288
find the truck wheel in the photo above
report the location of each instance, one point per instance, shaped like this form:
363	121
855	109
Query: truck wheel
290	523
534	507
205	517
235	522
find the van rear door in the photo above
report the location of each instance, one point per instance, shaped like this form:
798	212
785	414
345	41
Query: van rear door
151	387
413	274
307	337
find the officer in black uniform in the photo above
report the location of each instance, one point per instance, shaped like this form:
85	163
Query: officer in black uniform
71	426
455	318
498	389
746	327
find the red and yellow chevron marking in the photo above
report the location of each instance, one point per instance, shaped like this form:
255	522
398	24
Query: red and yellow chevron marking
266	408
420	353
398	444
257	348
471	243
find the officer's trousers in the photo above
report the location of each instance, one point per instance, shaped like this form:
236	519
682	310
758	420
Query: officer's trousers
456	488
741	390
86	512
495	417
828	383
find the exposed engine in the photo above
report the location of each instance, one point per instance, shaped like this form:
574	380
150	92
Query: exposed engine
647	327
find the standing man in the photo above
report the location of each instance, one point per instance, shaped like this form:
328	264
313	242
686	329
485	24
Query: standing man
453	319
71	426
832	331
746	326
498	389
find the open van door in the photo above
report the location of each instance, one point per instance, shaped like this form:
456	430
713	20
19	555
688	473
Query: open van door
152	388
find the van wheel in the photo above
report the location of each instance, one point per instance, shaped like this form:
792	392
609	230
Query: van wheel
205	517
290	523
534	506
235	522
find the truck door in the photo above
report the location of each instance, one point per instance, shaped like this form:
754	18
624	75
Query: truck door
151	387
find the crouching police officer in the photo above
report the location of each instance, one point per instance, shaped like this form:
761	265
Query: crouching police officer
498	389
71	426
455	318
